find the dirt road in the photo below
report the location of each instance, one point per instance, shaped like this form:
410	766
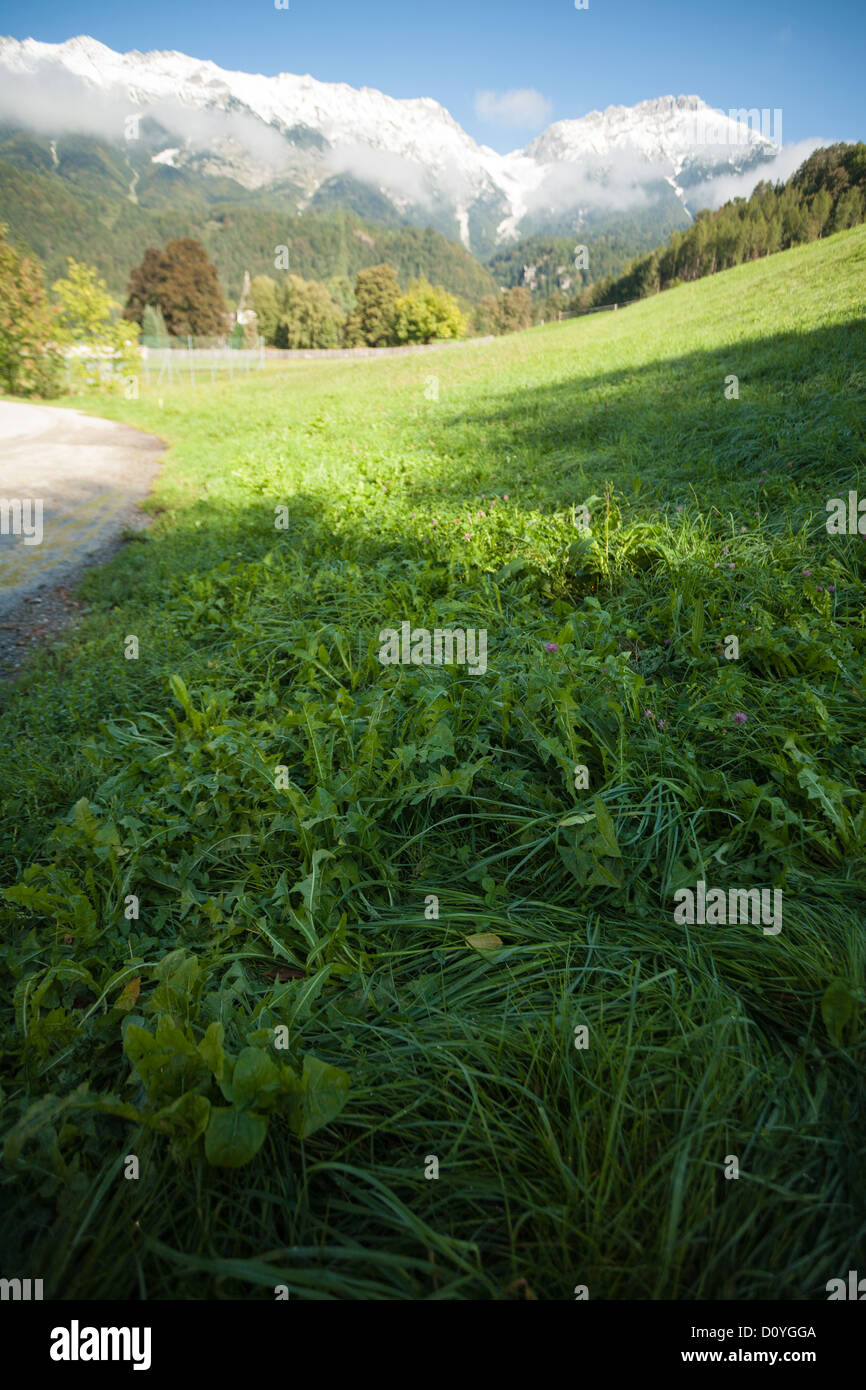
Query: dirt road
69	485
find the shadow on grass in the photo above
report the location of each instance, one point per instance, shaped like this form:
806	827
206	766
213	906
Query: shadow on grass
662	435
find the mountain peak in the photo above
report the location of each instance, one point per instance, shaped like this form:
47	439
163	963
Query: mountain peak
379	155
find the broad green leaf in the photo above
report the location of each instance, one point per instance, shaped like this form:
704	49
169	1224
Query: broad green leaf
183	1121
40	1113
212	1051
234	1136
606	840
484	941
177	968
139	1043
322	1093
838	1006
254	1077
310	886
127	997
606	873
180	692
508	571
84	816
167	1064
577	862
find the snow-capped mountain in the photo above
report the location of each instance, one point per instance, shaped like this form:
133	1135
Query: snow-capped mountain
307	141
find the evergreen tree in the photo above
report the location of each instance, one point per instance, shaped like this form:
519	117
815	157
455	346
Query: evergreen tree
849	211
153	330
820	210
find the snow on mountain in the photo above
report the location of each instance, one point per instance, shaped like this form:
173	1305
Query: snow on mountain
667	129
299	132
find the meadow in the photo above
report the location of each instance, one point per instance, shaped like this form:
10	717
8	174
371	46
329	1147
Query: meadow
286	814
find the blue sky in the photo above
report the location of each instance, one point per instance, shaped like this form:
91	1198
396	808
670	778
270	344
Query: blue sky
474	55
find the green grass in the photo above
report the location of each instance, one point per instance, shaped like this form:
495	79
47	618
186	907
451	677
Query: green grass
559	1166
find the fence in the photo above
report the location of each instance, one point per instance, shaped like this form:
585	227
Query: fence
288	354
179	362
598	309
168	364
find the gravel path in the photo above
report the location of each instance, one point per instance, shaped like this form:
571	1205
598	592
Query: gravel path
89	476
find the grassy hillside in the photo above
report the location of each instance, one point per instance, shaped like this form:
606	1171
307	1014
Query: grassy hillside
299	898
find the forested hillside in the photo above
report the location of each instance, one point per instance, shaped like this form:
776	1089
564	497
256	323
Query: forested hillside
827	194
94	219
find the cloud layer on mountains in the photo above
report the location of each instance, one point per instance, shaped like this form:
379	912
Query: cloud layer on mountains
549	178
726	186
61	103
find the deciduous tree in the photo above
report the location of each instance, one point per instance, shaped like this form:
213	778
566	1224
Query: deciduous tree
183	281
29	359
372	319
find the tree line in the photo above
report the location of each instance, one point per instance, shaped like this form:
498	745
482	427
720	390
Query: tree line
176	291
827	194
374	312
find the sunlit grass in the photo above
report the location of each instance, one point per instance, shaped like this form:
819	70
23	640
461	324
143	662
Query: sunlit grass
559	1166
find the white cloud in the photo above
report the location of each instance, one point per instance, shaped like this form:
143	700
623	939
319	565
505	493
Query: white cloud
720	190
63	103
523	107
613	183
381	168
